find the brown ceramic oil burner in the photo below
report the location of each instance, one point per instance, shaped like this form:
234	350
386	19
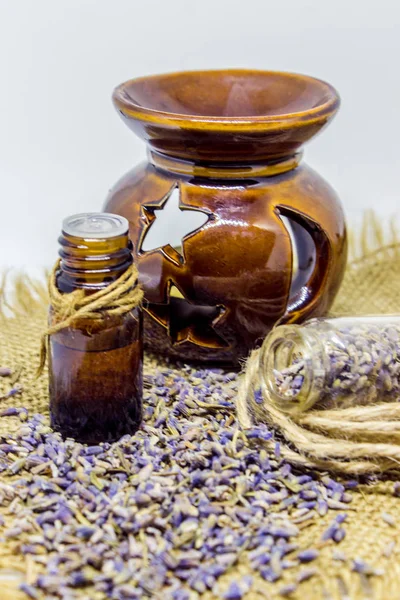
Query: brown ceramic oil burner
229	143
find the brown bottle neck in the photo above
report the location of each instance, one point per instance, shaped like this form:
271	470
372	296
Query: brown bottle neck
92	264
224	170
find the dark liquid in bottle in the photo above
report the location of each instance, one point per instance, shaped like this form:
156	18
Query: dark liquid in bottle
96	378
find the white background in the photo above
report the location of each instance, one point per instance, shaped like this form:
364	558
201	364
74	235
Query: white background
62	145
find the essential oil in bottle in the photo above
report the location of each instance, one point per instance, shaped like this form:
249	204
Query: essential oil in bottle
95	365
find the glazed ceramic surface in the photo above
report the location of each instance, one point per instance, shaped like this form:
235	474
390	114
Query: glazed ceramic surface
229	144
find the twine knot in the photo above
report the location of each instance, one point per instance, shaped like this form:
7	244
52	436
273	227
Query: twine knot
119	297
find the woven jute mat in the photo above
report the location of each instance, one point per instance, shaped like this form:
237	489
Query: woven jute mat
371	285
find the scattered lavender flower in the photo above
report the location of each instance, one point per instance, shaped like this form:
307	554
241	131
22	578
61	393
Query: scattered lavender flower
30	591
10	412
334	531
360	566
287	590
306	574
14	391
234	592
258	397
307	556
339	535
166	511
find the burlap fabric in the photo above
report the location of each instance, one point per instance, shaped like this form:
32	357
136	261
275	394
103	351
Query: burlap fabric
371	285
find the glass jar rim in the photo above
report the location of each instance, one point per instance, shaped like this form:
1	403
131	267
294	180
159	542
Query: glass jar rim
282	343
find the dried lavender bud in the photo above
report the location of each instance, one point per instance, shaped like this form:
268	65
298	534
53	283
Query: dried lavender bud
350	484
306	574
360	566
180	594
338	535
17	389
287	590
258	396
29	590
4	372
10	412
334	531
233	593
307	555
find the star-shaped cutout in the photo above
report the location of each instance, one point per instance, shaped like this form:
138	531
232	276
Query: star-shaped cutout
189	322
169	225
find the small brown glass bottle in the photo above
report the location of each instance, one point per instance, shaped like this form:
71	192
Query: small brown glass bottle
95	365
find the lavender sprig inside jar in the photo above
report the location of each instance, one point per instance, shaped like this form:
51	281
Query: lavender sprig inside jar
333	363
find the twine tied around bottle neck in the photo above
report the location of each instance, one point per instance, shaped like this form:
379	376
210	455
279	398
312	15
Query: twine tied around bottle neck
119	297
359	440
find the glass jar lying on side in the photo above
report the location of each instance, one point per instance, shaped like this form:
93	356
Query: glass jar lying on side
332	363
